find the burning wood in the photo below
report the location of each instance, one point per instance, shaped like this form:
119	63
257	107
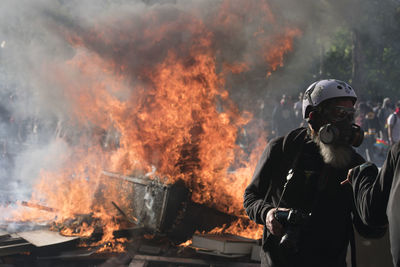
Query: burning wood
141	100
170	115
37	206
83	225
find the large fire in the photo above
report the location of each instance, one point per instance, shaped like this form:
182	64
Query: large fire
149	95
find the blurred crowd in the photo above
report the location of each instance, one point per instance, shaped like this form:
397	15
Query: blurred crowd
378	119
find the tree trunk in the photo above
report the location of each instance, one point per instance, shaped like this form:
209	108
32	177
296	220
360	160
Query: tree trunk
358	62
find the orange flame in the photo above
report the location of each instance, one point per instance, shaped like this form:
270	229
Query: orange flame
242	227
274	53
173	114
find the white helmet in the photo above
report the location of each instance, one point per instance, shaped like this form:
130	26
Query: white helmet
323	90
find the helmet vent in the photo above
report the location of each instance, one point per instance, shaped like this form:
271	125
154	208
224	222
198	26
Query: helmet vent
339	87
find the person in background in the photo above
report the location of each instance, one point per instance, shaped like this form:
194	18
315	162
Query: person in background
383	113
370	124
295	191
283	117
377	196
297	107
393	126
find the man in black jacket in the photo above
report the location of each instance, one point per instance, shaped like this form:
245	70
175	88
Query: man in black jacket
296	192
377	196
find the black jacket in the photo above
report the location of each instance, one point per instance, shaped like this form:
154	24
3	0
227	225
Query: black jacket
377	197
315	187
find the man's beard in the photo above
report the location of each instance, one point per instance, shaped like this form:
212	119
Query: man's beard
338	156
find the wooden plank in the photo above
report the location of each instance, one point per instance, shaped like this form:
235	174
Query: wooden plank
235	263
82	253
170	259
12	239
37	206
15	248
4	234
137	263
41	238
136	180
220	254
227	244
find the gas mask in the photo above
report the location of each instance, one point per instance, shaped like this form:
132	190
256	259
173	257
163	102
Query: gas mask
341	128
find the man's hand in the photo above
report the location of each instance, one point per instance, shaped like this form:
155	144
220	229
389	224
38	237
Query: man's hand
369	166
348	179
273	226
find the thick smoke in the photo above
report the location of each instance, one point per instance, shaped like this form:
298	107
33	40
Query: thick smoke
36	36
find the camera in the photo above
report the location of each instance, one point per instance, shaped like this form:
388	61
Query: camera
293	221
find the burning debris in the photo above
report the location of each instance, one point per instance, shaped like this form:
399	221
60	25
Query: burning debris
146	95
37	206
159	216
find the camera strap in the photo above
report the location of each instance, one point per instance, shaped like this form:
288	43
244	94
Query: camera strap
290	173
300	138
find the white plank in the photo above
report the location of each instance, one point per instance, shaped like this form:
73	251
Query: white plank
41	238
228	244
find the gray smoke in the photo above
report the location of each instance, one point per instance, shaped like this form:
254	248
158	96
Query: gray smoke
34	35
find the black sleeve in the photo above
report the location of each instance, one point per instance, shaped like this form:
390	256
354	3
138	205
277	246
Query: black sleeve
257	196
368	231
371	191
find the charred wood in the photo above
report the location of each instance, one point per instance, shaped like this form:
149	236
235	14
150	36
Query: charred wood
37	206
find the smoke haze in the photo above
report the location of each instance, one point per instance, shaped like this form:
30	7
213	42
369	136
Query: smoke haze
39	38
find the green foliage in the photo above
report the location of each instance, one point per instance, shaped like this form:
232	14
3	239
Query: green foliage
338	62
379	43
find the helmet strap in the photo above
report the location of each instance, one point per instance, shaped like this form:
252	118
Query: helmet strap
316	118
